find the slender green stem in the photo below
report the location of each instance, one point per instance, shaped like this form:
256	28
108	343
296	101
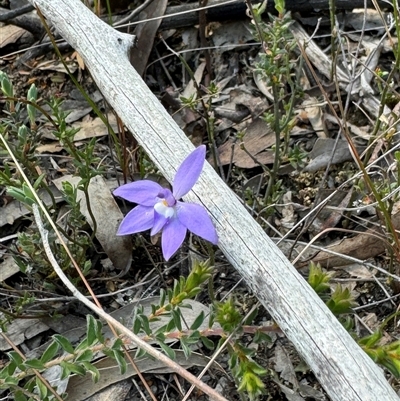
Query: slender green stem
82	90
277	131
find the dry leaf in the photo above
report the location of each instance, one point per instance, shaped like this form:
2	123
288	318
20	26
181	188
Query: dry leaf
108	217
258	137
93	127
363	246
314	115
283	365
54	147
55	65
10	34
145	33
190	89
20	330
81	387
321	154
8	268
79	60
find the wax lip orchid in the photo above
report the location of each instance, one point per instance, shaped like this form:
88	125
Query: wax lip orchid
160	209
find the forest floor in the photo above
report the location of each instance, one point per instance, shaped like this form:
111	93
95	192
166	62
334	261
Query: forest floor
324	97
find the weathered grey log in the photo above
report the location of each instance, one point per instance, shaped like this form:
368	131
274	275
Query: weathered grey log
342	368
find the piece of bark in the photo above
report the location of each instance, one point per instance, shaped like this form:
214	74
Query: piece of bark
145	33
363	246
341	366
24	18
9	14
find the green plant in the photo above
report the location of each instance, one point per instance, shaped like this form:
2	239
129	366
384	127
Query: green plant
20	137
277	66
387	355
22	377
340	301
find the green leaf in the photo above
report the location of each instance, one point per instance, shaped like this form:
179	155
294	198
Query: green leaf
92	370
393	365
17	193
82	345
64	343
32	97
8	370
176	315
341	301
280	6
194	337
318	279
170	295
117	345
185	348
170	326
209	344
41	388
91	327
211	316
86	356
6	85
260	336
32	93
16	357
187	306
163	296
145	324
11	380
23	134
87	267
50	352
73	368
19	396
198	321
119	357
160	337
140	353
168	350
34	364
371	340
137	325
30	385
251	317
160	330
193	292
256	368
99	332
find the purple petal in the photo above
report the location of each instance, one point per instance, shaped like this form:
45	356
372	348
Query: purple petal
159	223
189	172
142	192
141	218
168	196
172	237
197	220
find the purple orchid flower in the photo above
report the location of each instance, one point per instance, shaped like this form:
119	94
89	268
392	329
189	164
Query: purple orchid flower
160	209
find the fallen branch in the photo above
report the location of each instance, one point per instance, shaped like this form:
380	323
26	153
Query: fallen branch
341	366
187	14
